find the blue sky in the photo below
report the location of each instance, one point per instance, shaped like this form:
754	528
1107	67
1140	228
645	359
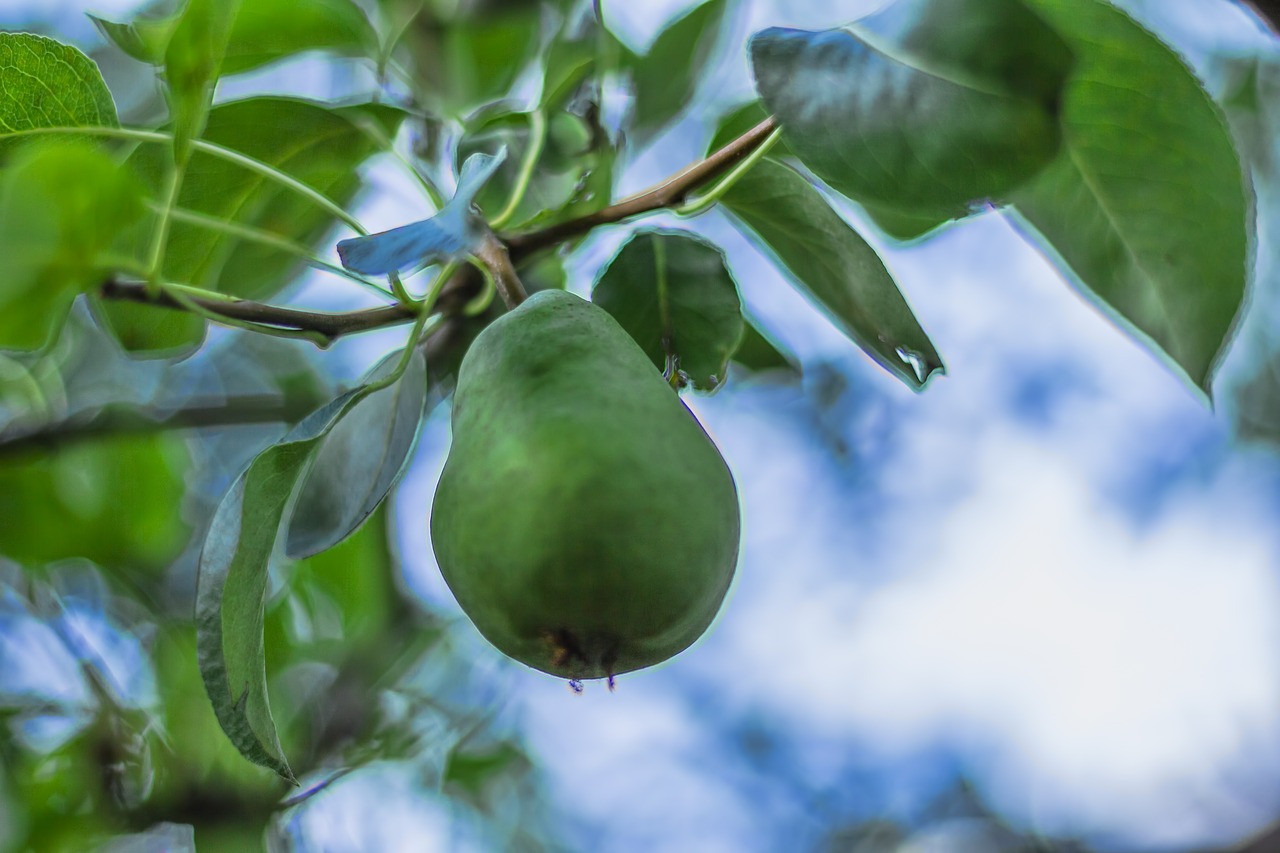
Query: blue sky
1053	572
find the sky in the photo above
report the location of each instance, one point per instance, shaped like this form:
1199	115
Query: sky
1052	573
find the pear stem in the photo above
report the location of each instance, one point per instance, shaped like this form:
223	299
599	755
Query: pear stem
493	254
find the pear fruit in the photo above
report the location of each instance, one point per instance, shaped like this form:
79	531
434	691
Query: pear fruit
584	520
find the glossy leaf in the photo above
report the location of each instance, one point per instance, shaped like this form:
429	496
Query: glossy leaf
834	267
263	31
1155	233
666	77
448	235
192	63
888	129
360	460
232	582
44	83
673	294
61	206
998	45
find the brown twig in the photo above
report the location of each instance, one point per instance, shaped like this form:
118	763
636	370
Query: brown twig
501	252
673	191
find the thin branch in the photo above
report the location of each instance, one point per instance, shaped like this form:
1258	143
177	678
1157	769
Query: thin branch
493	254
673	191
128	420
499	254
329	325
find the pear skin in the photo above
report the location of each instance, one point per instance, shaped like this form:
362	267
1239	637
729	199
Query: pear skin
584	520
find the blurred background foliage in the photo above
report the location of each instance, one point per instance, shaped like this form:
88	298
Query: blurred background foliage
110	467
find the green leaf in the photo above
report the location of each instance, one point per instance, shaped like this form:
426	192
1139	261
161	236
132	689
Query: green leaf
263	31
885	126
44	83
114	501
673	294
62	206
1147	205
360	460
758	353
834	267
319	146
232	582
666	77
192	63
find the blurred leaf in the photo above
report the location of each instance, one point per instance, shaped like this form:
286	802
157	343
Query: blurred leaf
834	267
359	461
263	31
45	83
758	353
115	501
149	331
450	234
359	574
473	771
675	297
161	838
144	38
62	205
192	63
929	134
467	61
1146	205
667	75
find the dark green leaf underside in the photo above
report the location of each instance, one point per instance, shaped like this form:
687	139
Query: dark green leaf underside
675	297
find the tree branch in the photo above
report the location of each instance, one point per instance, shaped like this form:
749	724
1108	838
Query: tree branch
671	192
465	282
330	325
124	420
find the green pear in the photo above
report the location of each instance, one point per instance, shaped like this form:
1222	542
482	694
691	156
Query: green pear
584	520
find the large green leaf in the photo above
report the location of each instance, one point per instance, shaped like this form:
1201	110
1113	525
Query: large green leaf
888	124
263	31
667	75
834	267
62	205
673	294
44	83
359	461
232	582
1147	204
321	147
192	63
